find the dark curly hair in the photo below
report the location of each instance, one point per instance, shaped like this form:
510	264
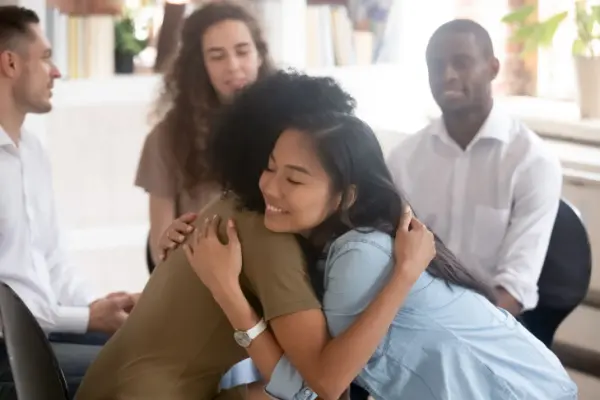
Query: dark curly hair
346	146
250	126
188	104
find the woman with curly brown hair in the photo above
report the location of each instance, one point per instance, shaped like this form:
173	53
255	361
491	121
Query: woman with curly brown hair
222	50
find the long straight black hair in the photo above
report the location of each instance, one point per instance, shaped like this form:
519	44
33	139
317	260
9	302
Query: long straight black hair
352	157
347	148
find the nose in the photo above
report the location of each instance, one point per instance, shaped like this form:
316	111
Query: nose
233	63
55	72
450	73
270	187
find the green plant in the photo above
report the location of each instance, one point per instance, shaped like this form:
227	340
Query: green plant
125	40
533	34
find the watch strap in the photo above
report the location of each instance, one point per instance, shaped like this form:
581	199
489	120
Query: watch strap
257	329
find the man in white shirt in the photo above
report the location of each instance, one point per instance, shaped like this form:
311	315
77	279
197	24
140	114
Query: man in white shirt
32	260
485	183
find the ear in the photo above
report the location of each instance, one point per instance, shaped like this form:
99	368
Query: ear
10	64
349	197
260	61
494	68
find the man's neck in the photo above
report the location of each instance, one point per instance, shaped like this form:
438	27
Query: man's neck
463	126
11	120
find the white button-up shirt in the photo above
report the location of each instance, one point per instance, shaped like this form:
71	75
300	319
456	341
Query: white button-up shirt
32	260
493	204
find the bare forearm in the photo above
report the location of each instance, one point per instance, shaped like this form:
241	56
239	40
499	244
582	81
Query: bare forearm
343	358
338	363
264	351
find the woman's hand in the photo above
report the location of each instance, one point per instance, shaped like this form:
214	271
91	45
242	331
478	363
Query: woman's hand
176	234
414	247
217	265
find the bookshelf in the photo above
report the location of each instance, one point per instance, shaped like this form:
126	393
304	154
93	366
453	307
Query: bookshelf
327	30
342	33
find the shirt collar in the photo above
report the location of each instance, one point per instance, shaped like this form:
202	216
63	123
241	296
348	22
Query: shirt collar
5	140
496	127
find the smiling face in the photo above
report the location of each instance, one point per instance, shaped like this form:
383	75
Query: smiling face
296	188
230	56
460	73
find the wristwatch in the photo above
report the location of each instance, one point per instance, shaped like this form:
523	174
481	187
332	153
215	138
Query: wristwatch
245	338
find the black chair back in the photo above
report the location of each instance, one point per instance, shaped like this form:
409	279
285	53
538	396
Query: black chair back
567	270
149	260
34	367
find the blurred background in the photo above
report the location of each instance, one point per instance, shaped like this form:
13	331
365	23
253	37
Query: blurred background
112	53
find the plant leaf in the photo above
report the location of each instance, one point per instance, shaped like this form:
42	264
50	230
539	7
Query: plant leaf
525	33
520	15
549	27
579	48
596	13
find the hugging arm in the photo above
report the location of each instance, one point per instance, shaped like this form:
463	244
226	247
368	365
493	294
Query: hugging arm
358	272
273	268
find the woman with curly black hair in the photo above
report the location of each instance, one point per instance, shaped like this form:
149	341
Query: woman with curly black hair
405	333
177	343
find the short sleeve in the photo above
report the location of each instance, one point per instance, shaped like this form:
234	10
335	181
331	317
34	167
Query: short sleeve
275	269
155	174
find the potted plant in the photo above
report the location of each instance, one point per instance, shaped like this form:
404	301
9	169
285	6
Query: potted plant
534	34
127	46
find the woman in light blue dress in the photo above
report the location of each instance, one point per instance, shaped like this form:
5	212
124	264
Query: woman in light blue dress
398	333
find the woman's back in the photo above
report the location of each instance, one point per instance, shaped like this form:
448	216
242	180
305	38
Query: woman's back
446	342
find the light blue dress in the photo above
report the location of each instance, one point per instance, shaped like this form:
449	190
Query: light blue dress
445	343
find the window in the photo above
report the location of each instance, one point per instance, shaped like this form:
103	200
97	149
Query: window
556	72
416	23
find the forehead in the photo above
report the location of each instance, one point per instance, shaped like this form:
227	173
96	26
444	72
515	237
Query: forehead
226	33
295	143
295	147
452	44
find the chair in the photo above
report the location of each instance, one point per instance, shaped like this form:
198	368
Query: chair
149	260
565	277
34	367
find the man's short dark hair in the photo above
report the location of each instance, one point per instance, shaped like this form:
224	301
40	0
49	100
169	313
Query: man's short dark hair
15	24
482	37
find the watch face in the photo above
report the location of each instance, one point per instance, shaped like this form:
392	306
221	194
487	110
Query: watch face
242	338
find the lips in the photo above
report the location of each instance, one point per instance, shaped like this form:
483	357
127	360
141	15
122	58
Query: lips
237	84
452	93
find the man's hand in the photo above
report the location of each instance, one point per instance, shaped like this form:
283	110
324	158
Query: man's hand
134	297
108	314
506	301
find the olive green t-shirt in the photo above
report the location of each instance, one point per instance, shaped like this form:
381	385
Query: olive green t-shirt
177	343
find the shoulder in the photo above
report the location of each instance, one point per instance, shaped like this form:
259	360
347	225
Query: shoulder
156	140
32	141
155	171
357	260
257	241
533	153
367	243
35	147
409	145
